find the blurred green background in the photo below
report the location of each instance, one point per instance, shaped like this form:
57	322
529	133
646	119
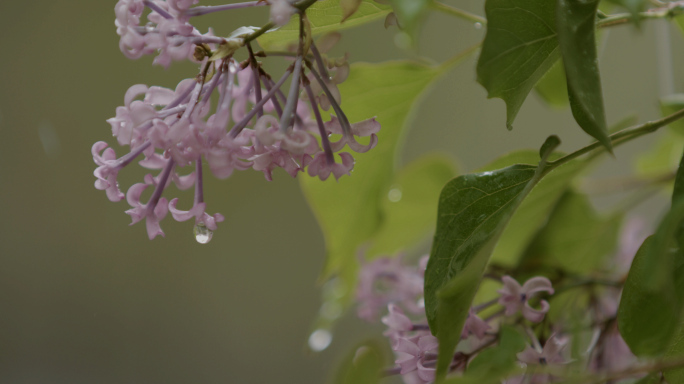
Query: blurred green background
84	298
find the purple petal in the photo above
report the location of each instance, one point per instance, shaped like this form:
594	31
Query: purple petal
537	284
133	92
535	315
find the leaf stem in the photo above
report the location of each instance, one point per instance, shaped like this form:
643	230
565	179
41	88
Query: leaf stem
301	7
456	59
449	10
620	137
671	10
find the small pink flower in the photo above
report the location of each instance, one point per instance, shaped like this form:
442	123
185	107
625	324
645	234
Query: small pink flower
153	212
361	129
198	212
475	325
321	167
516	298
550	354
414	352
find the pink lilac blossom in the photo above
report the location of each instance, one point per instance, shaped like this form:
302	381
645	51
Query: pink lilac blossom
387	280
417	354
251	127
551	354
474	325
516	298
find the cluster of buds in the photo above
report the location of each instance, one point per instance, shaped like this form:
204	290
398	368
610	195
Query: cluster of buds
255	124
389	283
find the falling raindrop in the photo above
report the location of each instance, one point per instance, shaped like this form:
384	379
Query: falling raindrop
478	25
394	195
202	233
320	339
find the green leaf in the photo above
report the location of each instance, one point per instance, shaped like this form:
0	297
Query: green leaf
519	48
495	363
576	35
350	211
663	157
410	14
676	350
651	303
473	212
409	208
575	238
362	366
553	87
324	16
679	20
534	211
671	104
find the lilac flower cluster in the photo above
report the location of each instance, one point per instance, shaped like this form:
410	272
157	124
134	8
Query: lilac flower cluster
254	124
388	282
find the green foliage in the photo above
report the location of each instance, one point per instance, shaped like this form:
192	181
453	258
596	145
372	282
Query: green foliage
473	212
350	211
324	16
362	366
676	350
496	363
553	88
649	313
534	211
409	208
576	36
575	238
670	105
519	48
663	157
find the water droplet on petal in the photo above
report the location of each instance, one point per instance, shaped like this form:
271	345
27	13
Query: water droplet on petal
202	233
478	25
320	339
394	195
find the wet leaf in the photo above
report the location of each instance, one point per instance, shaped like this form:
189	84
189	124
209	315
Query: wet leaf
519	48
472	213
576	26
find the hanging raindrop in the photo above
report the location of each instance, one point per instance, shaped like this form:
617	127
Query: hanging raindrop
320	339
202	233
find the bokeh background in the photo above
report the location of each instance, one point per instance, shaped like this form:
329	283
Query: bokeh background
84	298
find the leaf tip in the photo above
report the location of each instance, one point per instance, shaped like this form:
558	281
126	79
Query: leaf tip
552	142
